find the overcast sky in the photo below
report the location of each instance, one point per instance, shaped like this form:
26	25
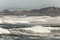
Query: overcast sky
28	3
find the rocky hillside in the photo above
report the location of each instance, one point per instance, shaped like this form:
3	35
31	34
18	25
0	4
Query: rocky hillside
49	11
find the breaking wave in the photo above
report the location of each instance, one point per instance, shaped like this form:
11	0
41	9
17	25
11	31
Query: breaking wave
32	27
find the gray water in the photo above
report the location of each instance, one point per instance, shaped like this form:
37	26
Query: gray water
23	37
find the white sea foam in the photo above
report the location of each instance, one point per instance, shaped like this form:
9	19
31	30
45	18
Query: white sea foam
4	31
39	29
32	19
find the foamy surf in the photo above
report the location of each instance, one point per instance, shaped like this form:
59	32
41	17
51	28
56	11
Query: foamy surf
4	31
35	30
38	29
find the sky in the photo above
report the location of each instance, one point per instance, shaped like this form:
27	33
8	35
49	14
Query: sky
28	3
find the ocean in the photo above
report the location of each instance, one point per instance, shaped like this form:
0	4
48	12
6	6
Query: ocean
19	27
